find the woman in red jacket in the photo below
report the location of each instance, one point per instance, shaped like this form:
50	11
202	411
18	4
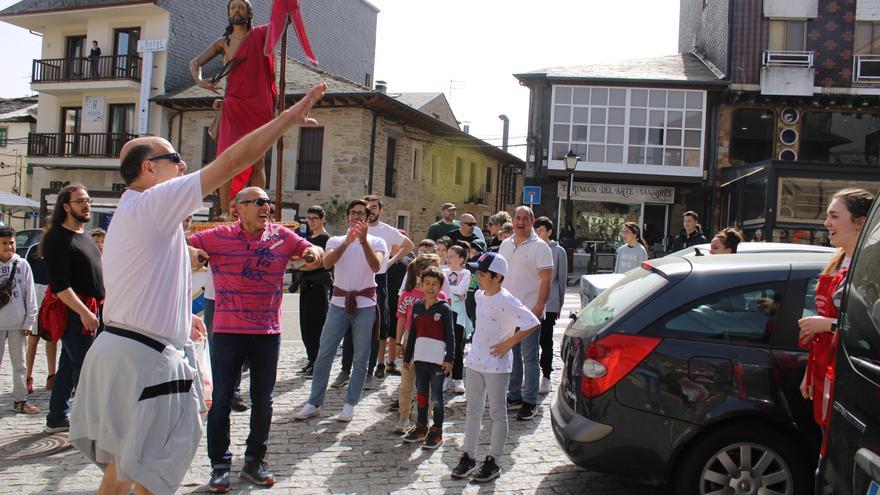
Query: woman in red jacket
844	220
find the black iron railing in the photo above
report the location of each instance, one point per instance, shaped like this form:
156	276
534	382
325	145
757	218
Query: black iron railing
100	145
87	69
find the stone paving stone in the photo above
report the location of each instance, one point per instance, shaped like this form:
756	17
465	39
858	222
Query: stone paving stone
324	456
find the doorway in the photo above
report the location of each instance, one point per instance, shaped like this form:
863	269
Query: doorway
70	131
654	227
74	54
125	42
121	126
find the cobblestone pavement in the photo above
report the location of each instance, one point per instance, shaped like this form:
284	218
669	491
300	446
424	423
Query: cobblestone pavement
322	455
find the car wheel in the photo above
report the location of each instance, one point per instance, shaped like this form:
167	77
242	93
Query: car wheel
742	460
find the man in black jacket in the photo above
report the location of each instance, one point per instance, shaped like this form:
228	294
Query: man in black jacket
691	234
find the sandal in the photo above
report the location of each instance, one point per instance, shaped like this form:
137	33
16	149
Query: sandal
50	381
30	385
25	408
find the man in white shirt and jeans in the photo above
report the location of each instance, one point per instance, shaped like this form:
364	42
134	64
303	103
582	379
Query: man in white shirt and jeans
136	412
530	262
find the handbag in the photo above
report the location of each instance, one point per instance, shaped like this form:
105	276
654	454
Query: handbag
8	285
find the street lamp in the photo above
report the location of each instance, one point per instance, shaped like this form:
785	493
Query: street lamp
567	239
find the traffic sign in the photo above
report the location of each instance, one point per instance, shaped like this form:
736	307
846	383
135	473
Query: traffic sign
532	195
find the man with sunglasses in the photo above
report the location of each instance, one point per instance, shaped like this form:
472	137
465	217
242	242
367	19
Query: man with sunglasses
137	405
465	232
249	259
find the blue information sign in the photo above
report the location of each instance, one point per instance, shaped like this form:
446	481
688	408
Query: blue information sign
532	195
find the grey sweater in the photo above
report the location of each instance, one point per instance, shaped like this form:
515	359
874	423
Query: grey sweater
560	276
20	312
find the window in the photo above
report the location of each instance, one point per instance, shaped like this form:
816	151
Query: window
629	128
389	167
867	38
4	136
435	170
788	35
308	162
403	220
368	80
635	286
754	199
803	200
125	52
209	147
417	164
841	137
810	298
472	179
459	172
744	314
120	126
752	135
861	322
488	179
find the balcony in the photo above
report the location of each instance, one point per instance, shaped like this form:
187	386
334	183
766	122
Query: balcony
64	75
81	145
866	69
787	73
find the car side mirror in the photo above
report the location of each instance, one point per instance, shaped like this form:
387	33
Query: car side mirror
573	315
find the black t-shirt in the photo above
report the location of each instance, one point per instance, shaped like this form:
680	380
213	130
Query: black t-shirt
74	262
321	275
456	236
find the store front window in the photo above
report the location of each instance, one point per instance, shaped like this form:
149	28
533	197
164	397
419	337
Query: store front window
754	201
804	200
841	137
597	224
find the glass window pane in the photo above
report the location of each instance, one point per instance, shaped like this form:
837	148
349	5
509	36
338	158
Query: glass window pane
692	139
597	134
617	97
639	98
693	119
580	115
636	155
614	154
673	137
691	158
655	136
863	34
560	132
861	325
596	154
615	135
579	133
672	157
563	95
636	135
658	98
795	36
579	150
694	100
581	96
654	156
638	116
656	118
673	119
804	200
676	99
599	96
616	116
744	315
852	138
752	135
559	151
597	116
562	113
754	199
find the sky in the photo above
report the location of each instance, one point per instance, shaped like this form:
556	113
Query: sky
469	50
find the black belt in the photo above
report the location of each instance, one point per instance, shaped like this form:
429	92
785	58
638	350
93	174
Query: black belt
151	392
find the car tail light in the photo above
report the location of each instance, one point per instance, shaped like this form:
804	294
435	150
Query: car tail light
608	360
646	265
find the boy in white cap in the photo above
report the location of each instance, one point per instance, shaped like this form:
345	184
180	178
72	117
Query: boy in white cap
502	322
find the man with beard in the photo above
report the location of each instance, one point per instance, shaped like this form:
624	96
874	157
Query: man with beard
76	292
446	224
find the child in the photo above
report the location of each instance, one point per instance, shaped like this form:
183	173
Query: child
443	244
459	279
18	312
634	250
429	350
411	293
489	362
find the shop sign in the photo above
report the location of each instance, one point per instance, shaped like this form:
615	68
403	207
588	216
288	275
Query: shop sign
618	193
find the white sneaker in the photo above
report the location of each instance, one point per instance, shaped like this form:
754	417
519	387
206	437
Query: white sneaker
447	384
545	386
402	426
458	387
308	411
347	413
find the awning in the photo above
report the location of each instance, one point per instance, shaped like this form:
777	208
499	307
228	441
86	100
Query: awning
10	202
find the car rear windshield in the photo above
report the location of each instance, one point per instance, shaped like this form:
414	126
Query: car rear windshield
635	286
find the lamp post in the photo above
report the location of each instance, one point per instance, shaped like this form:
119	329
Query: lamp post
568	238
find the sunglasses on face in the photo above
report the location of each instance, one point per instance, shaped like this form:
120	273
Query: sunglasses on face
174	157
257	202
469	224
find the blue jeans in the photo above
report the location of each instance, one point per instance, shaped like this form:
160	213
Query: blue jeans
74	345
429	380
382	302
525	355
229	353
335	327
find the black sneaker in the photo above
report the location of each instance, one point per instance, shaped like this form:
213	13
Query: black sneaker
59	427
341	380
527	411
489	470
391	369
238	404
380	371
219	482
416	434
434	438
308	370
514	404
466	467
258	473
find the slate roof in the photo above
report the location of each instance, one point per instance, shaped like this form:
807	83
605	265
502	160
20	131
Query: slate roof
18	109
416	100
683	69
34	6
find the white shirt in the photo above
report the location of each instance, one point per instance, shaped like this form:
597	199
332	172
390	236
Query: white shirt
391	236
147	272
458	282
523	263
498	318
351	272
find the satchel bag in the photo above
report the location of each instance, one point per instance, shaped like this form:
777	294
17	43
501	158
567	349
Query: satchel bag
8	285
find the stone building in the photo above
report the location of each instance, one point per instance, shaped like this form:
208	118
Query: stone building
368	142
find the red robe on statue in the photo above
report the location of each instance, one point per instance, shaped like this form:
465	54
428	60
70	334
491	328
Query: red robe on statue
250	96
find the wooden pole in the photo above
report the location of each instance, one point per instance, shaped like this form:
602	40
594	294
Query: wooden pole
279	169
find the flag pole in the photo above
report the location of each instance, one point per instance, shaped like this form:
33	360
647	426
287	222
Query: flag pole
279	169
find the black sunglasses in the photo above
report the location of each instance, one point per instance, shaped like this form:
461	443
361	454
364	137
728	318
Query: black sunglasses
257	202
174	157
470	224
